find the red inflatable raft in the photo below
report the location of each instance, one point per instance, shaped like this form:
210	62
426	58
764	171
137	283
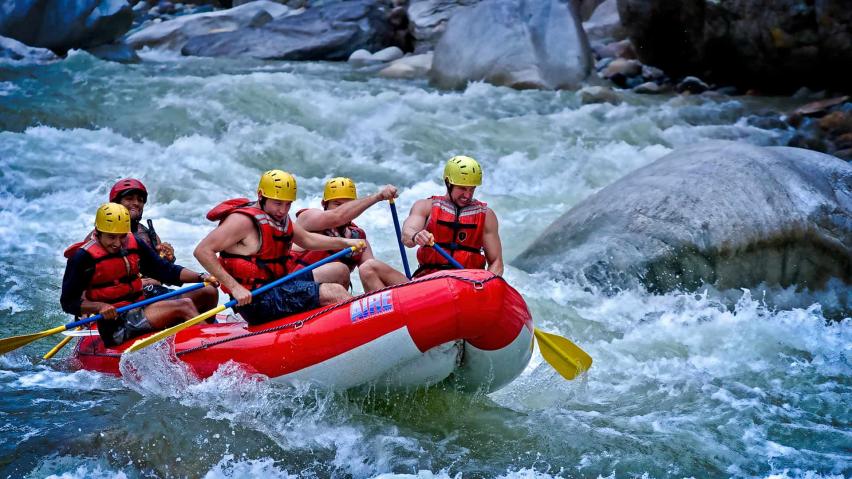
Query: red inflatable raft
469	323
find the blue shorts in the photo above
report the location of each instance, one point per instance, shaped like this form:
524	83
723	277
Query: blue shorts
289	298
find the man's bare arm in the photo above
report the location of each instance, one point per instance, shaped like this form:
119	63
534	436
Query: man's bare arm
232	231
320	220
491	243
415	222
315	241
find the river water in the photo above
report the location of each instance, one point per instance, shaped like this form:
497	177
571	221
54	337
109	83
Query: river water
752	383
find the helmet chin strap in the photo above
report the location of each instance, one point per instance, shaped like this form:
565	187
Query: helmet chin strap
450	192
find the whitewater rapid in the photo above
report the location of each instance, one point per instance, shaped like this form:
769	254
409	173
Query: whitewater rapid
706	384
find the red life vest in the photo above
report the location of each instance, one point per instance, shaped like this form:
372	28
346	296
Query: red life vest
459	231
116	279
270	261
307	258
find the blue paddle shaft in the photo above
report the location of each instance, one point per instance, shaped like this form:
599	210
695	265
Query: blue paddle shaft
283	279
447	256
140	304
399	240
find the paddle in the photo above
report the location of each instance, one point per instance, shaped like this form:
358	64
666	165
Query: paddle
399	239
56	348
15	342
143	343
566	357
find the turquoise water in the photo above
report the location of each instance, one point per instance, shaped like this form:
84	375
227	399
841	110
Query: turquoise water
683	385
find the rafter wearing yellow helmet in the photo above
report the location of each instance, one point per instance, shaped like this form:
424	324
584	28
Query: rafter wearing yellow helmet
112	218
339	188
463	171
277	185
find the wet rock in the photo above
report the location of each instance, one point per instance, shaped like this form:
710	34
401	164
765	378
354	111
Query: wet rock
173	34
400	27
11	49
604	24
623	73
541	46
776	46
361	57
836	122
845	154
729	90
115	52
602	63
692	84
388	54
62	25
428	20
598	94
819	107
620	66
587	8
650	88
652	73
724	213
412	66
331	31
619	49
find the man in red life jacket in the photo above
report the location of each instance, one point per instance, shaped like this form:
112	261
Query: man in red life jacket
105	272
253	241
340	207
132	194
464	227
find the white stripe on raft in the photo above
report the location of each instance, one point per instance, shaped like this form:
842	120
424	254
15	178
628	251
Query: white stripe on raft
378	361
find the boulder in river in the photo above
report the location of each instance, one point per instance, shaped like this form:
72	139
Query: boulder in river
11	49
63	25
775	46
173	34
428	20
721	213
521	44
331	31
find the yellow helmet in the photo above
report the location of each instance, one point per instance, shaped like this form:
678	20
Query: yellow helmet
112	218
463	171
277	185
339	188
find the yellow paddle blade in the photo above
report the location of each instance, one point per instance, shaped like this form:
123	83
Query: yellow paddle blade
144	343
56	348
15	342
566	357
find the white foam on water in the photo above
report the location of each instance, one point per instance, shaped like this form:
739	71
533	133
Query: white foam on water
43	377
231	468
719	377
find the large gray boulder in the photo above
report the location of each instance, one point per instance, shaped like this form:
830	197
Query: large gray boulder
774	45
62	25
428	20
327	32
173	34
516	43
722	213
13	50
604	25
